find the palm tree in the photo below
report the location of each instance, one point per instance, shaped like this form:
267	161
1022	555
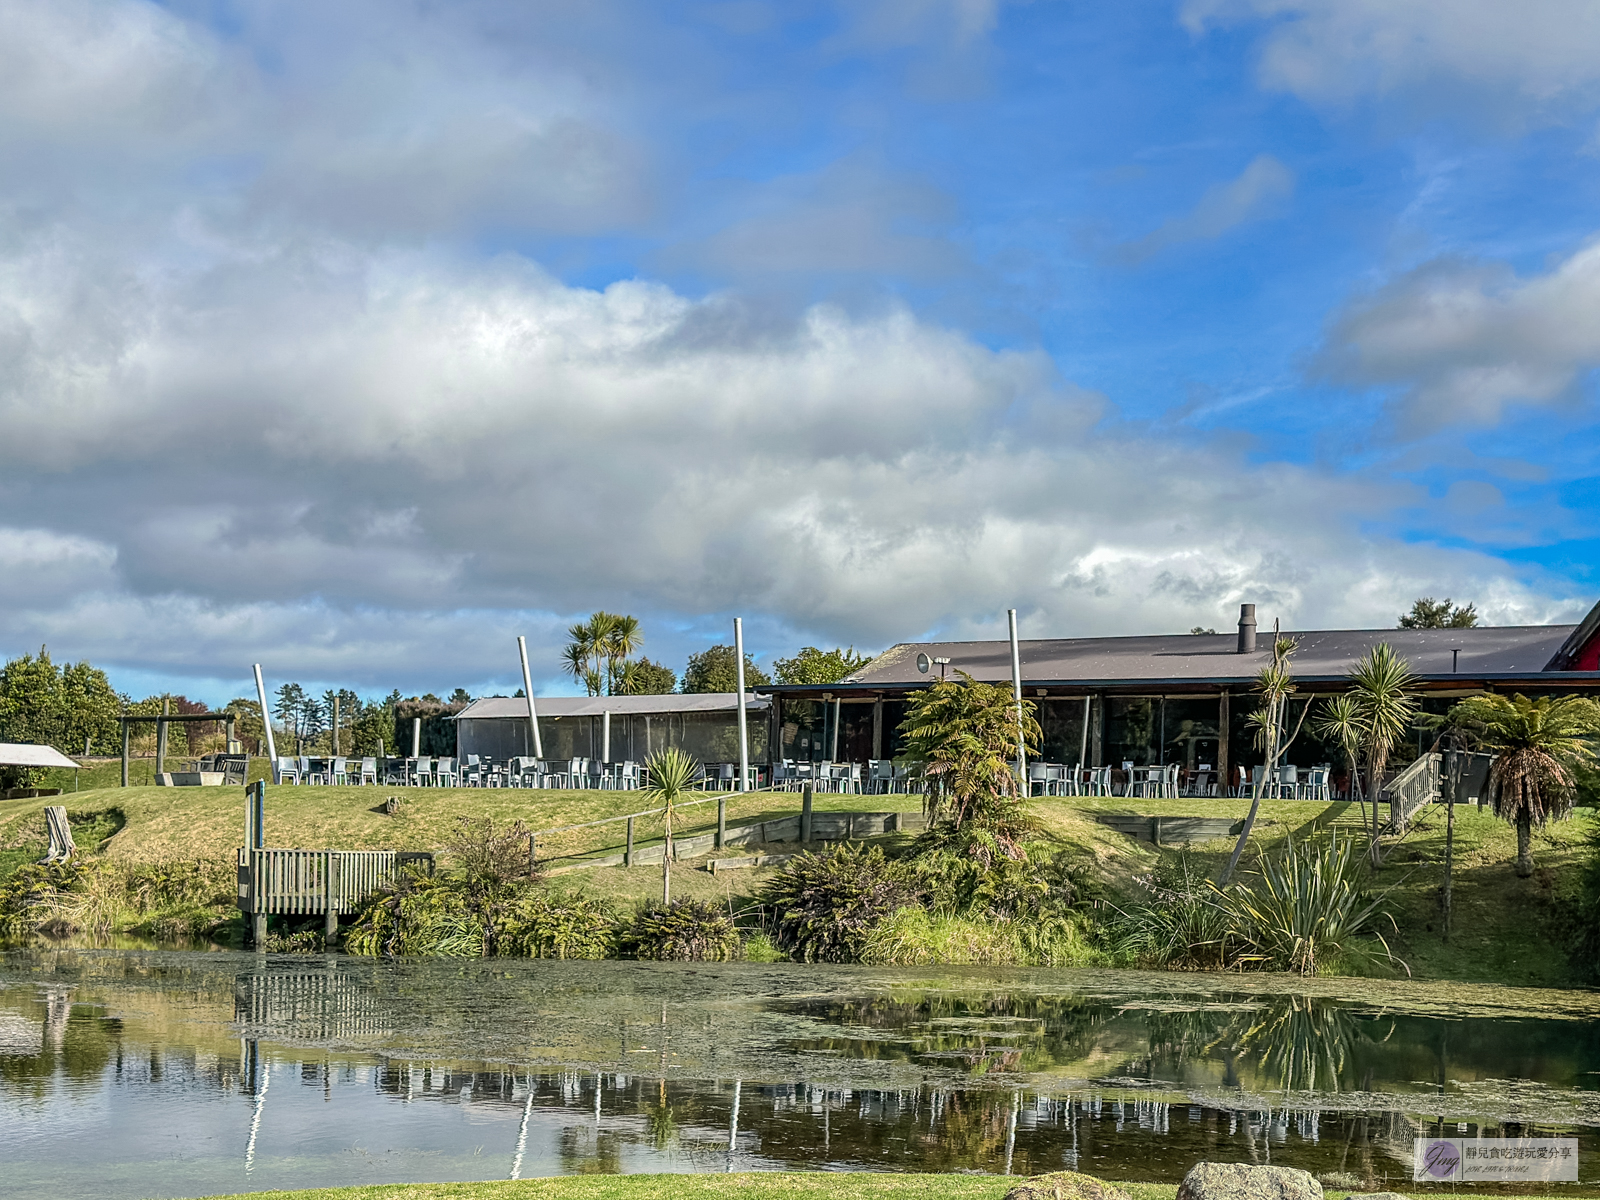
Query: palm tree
1276	685
1341	722
1380	684
671	773
1536	743
620	643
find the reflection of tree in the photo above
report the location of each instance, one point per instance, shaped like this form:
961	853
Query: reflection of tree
76	1042
585	1150
661	1121
971	1132
1301	1043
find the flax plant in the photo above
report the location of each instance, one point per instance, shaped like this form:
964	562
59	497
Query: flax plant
1306	907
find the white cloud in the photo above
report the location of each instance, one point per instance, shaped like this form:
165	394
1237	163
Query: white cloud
1534	59
391	459
1256	192
1460	341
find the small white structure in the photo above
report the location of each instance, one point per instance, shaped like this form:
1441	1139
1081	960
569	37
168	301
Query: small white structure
26	754
703	725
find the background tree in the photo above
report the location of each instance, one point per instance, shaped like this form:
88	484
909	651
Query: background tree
645	678
1428	613
811	665
598	650
962	737
1381	685
460	696
1536	744
288	706
59	706
248	726
716	670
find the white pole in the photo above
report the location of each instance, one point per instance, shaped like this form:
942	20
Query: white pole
1016	691
744	741
416	737
605	736
266	719
527	687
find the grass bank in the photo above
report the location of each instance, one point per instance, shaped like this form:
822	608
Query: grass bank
750	1185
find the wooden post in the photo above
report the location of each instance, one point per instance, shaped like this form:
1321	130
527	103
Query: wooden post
258	930
231	736
877	727
627	853
1224	768
533	853
722	818
124	751
330	931
161	737
805	814
336	724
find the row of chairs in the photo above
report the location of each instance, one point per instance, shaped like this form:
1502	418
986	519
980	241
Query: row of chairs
1170	781
877	777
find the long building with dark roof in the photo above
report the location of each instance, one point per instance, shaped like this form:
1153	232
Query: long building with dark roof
1173	697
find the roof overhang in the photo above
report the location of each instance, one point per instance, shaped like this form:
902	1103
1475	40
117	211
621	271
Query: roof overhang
25	754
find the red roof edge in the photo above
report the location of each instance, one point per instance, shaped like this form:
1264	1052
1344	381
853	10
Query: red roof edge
1581	650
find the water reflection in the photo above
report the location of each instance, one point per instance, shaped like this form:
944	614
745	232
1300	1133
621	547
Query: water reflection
128	1075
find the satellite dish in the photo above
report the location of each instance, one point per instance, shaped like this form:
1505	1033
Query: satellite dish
923	664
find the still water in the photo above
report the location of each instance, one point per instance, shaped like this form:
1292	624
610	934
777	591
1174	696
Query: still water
129	1073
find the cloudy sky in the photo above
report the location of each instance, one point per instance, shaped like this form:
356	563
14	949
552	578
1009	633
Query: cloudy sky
359	338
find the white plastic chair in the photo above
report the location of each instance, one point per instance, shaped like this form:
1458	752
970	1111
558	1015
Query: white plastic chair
288	771
445	769
369	772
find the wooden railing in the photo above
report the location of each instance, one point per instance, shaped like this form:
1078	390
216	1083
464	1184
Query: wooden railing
1413	787
314	881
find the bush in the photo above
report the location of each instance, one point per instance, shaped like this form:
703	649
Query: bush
1184	922
558	924
683	931
759	948
913	936
417	913
826	905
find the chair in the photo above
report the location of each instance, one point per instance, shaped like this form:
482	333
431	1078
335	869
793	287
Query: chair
288	771
1258	780
1288	782
311	772
339	771
882	775
419	772
1170	783
1038	777
472	771
625	776
1316	785
445	769
1100	781
369	772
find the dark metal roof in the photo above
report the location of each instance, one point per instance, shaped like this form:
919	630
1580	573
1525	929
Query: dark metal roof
1177	659
502	707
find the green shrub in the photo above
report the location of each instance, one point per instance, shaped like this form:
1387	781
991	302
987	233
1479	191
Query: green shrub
825	905
1308	908
197	881
759	948
302	941
546	923
417	913
1184	923
913	936
684	931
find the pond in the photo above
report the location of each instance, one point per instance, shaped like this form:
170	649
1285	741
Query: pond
133	1073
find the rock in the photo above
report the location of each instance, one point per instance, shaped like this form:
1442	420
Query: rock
1241	1181
1065	1185
1377	1196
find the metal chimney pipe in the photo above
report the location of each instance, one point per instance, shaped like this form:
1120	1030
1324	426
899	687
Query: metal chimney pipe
1247	629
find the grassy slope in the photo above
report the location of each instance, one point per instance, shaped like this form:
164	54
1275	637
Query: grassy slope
1506	930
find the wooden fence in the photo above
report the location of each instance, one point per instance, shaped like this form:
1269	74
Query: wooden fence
315	881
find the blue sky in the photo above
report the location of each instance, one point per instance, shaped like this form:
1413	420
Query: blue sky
357	340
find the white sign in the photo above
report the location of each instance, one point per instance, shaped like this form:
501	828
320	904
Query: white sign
1496	1160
